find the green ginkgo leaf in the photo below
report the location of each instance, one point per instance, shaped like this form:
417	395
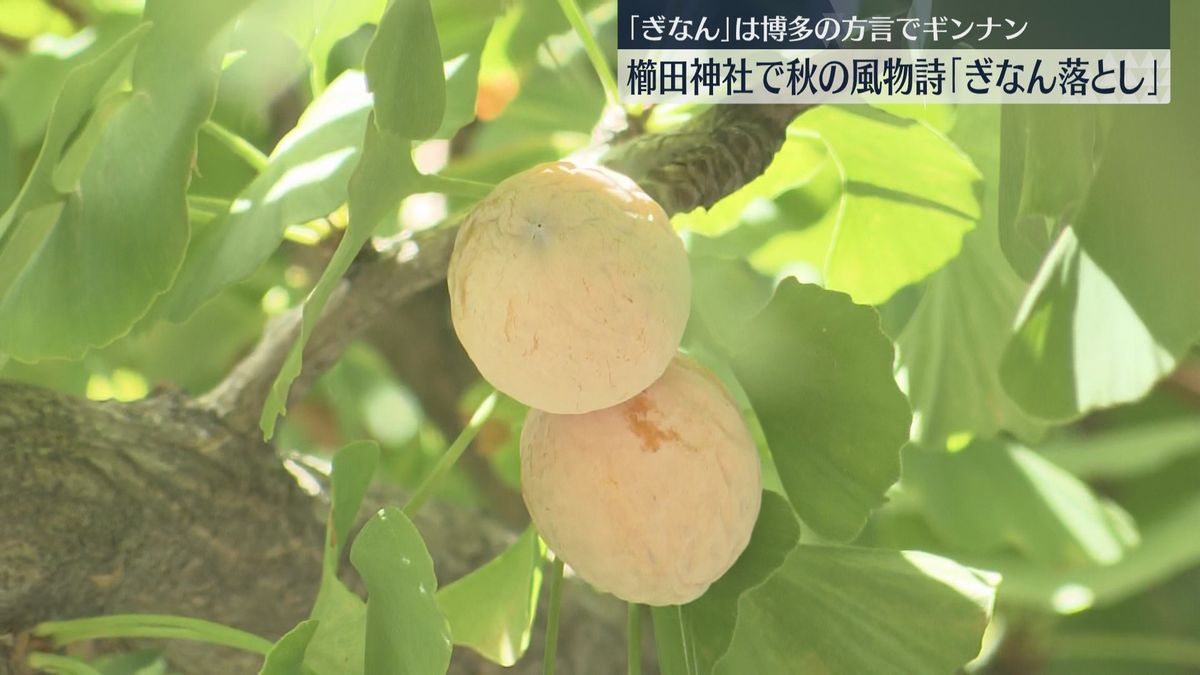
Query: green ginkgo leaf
406	633
123	228
818	371
405	72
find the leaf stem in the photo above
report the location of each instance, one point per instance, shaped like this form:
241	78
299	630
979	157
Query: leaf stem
556	577
574	16
213	205
635	639
448	459
459	187
237	145
201	216
61	665
151	626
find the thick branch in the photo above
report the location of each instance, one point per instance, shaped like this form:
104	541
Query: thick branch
159	507
155	504
709	156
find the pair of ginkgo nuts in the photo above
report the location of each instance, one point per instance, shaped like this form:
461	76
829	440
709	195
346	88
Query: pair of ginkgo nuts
570	291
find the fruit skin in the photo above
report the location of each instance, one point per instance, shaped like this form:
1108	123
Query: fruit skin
653	499
568	288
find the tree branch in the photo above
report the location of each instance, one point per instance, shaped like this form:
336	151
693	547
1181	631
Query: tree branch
158	506
400	269
154	504
709	156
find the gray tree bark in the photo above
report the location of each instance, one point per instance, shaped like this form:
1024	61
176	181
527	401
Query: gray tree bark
174	504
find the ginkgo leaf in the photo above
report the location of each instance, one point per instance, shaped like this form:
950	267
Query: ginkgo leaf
120	236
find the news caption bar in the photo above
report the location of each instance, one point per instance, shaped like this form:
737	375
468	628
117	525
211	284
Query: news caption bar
856	76
1026	52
